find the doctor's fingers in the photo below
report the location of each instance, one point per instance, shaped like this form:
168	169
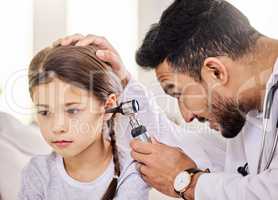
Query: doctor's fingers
68	40
99	41
144	171
141	147
153	179
110	57
141	158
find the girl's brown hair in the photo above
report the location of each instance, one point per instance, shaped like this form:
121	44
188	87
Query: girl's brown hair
79	66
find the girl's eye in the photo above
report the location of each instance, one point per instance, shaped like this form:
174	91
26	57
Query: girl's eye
43	113
73	111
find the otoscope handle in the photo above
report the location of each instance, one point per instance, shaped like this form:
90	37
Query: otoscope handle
140	133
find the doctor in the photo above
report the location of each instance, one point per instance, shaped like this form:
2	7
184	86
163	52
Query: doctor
211	43
221	70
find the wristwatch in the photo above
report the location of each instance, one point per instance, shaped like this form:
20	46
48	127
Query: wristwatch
183	180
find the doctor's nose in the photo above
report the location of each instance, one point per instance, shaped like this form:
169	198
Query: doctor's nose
187	115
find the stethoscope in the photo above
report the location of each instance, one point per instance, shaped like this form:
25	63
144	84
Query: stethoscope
268	105
267	108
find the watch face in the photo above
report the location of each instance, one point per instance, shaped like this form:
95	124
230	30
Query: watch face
182	181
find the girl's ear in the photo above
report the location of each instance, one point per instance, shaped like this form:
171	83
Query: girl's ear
111	102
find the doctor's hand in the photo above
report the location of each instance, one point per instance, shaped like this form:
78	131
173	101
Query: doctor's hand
160	164
106	52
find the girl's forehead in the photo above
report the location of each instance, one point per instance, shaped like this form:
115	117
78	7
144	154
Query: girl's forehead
59	91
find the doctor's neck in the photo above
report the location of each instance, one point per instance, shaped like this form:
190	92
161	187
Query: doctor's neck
261	63
265	53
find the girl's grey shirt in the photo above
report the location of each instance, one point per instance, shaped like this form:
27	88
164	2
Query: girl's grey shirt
45	178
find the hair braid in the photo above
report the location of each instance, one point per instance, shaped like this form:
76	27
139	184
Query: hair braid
111	191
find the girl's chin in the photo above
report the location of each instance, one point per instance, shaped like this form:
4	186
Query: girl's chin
67	155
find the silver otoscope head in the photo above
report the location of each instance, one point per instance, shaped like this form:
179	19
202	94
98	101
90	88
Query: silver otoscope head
126	108
130	108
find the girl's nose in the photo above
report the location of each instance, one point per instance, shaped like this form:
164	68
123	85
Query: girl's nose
59	125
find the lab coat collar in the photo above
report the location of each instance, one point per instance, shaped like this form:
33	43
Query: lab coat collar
253	128
271	81
275	70
274	76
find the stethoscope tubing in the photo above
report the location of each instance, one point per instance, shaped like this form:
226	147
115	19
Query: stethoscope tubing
268	106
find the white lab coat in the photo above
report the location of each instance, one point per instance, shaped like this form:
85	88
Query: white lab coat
224	183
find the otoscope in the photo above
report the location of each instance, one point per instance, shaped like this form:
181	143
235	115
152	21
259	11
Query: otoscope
130	108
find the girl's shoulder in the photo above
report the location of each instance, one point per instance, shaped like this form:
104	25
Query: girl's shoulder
124	155
43	160
36	177
130	185
128	165
40	166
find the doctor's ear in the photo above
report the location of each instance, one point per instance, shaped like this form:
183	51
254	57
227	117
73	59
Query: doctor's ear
111	102
214	71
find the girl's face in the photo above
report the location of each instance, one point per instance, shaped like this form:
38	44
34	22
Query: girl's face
70	118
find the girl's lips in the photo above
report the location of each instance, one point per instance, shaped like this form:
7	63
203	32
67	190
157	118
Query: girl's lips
62	143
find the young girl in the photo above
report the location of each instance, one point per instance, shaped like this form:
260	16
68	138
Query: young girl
71	89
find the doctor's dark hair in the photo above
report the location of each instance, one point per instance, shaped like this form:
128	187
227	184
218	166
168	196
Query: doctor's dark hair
189	31
80	67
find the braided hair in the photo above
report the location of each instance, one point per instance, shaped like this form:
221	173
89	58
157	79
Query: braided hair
111	191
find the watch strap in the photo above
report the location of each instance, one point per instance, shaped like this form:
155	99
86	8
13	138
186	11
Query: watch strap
193	171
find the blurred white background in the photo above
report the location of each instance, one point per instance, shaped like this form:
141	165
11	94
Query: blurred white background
30	25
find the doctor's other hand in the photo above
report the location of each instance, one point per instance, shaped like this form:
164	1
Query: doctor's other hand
159	164
106	52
